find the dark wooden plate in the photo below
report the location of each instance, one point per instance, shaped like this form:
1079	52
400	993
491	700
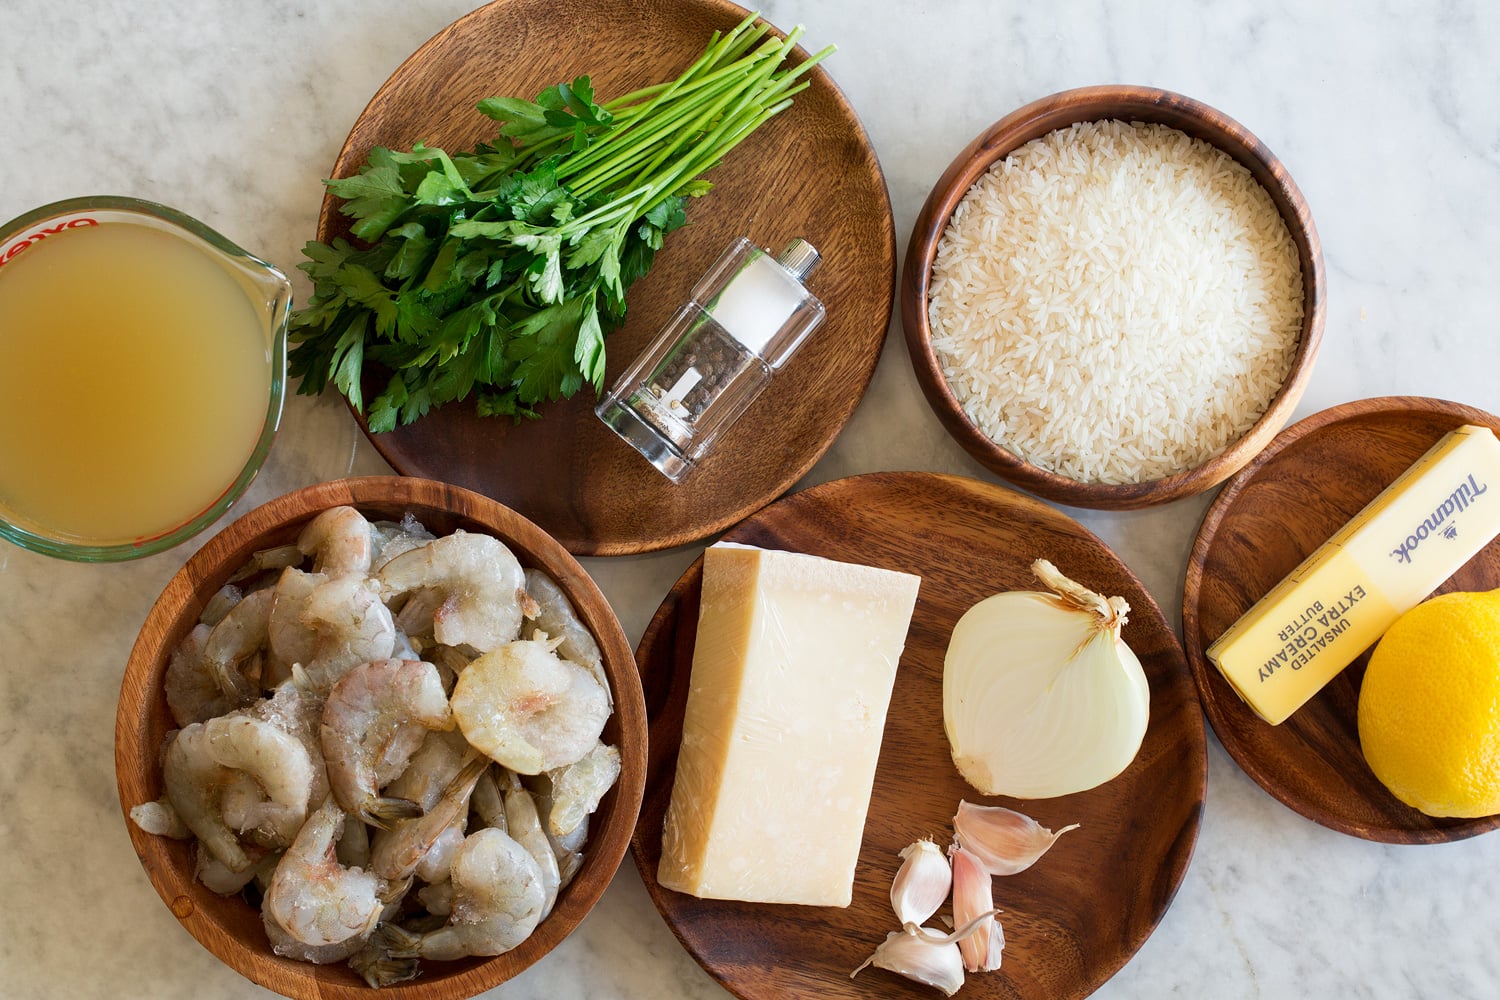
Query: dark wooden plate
809	172
1313	478
1073	919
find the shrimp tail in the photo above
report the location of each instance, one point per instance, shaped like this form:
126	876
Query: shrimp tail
397	942
395	890
235	685
385	811
379	967
459	789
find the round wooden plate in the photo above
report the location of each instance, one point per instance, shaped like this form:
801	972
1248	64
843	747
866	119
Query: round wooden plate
809	172
1313	478
1070	921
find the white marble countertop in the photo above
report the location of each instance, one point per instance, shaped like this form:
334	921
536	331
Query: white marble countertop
1386	114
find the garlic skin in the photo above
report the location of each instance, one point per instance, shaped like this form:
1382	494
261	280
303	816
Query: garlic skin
973	900
1041	696
1002	840
933	961
922	883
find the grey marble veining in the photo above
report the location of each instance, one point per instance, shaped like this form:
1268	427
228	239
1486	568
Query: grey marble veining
1386	115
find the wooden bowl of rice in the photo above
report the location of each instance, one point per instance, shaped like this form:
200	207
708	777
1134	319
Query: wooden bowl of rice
1113	297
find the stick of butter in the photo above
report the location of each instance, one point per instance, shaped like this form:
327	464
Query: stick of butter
792	674
1383	563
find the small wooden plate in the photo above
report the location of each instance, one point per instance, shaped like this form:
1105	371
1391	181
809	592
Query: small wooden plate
1307	484
227	925
1073	919
809	172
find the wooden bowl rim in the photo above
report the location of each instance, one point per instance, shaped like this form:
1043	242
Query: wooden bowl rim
1213	518
138	776
1038	118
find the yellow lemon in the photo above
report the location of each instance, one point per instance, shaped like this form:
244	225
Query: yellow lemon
1429	708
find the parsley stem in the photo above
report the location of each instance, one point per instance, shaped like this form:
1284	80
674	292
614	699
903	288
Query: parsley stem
755	83
664	116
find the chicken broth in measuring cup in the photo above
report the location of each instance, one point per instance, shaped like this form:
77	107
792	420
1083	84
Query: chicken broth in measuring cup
141	372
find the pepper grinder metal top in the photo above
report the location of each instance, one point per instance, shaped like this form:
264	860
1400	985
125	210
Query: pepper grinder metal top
800	258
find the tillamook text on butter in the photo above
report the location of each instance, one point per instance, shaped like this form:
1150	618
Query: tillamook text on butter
792	674
1406	542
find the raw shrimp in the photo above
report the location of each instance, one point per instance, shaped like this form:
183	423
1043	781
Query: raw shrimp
497	903
263	560
219	605
489	806
450	662
161	819
404	649
396	857
352	627
316	900
528	709
341	542
569	852
291	639
418	614
193	693
375	719
437	863
234	644
481	582
425	781
247	810
524	826
393	538
437	897
194	784
218	877
555	616
298	711
577	788
287	946
278	763
441	756
568	847
353	849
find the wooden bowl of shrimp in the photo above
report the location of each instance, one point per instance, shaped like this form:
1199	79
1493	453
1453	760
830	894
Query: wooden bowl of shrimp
193	741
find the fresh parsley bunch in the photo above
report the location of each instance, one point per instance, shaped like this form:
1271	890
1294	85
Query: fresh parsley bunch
499	271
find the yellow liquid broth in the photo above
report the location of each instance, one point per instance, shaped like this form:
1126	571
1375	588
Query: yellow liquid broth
135	375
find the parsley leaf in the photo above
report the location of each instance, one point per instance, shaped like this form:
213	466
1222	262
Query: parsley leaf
497	273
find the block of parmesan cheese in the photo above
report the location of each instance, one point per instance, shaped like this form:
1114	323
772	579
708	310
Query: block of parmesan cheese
792	674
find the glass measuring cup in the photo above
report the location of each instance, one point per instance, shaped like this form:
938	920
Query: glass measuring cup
142	369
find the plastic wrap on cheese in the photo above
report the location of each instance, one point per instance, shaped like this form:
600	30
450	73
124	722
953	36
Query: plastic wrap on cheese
792	673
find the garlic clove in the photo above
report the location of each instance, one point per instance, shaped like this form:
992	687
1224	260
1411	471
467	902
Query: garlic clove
974	905
1002	840
931	961
921	884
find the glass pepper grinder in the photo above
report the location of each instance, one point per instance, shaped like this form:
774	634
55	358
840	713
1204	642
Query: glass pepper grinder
744	319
